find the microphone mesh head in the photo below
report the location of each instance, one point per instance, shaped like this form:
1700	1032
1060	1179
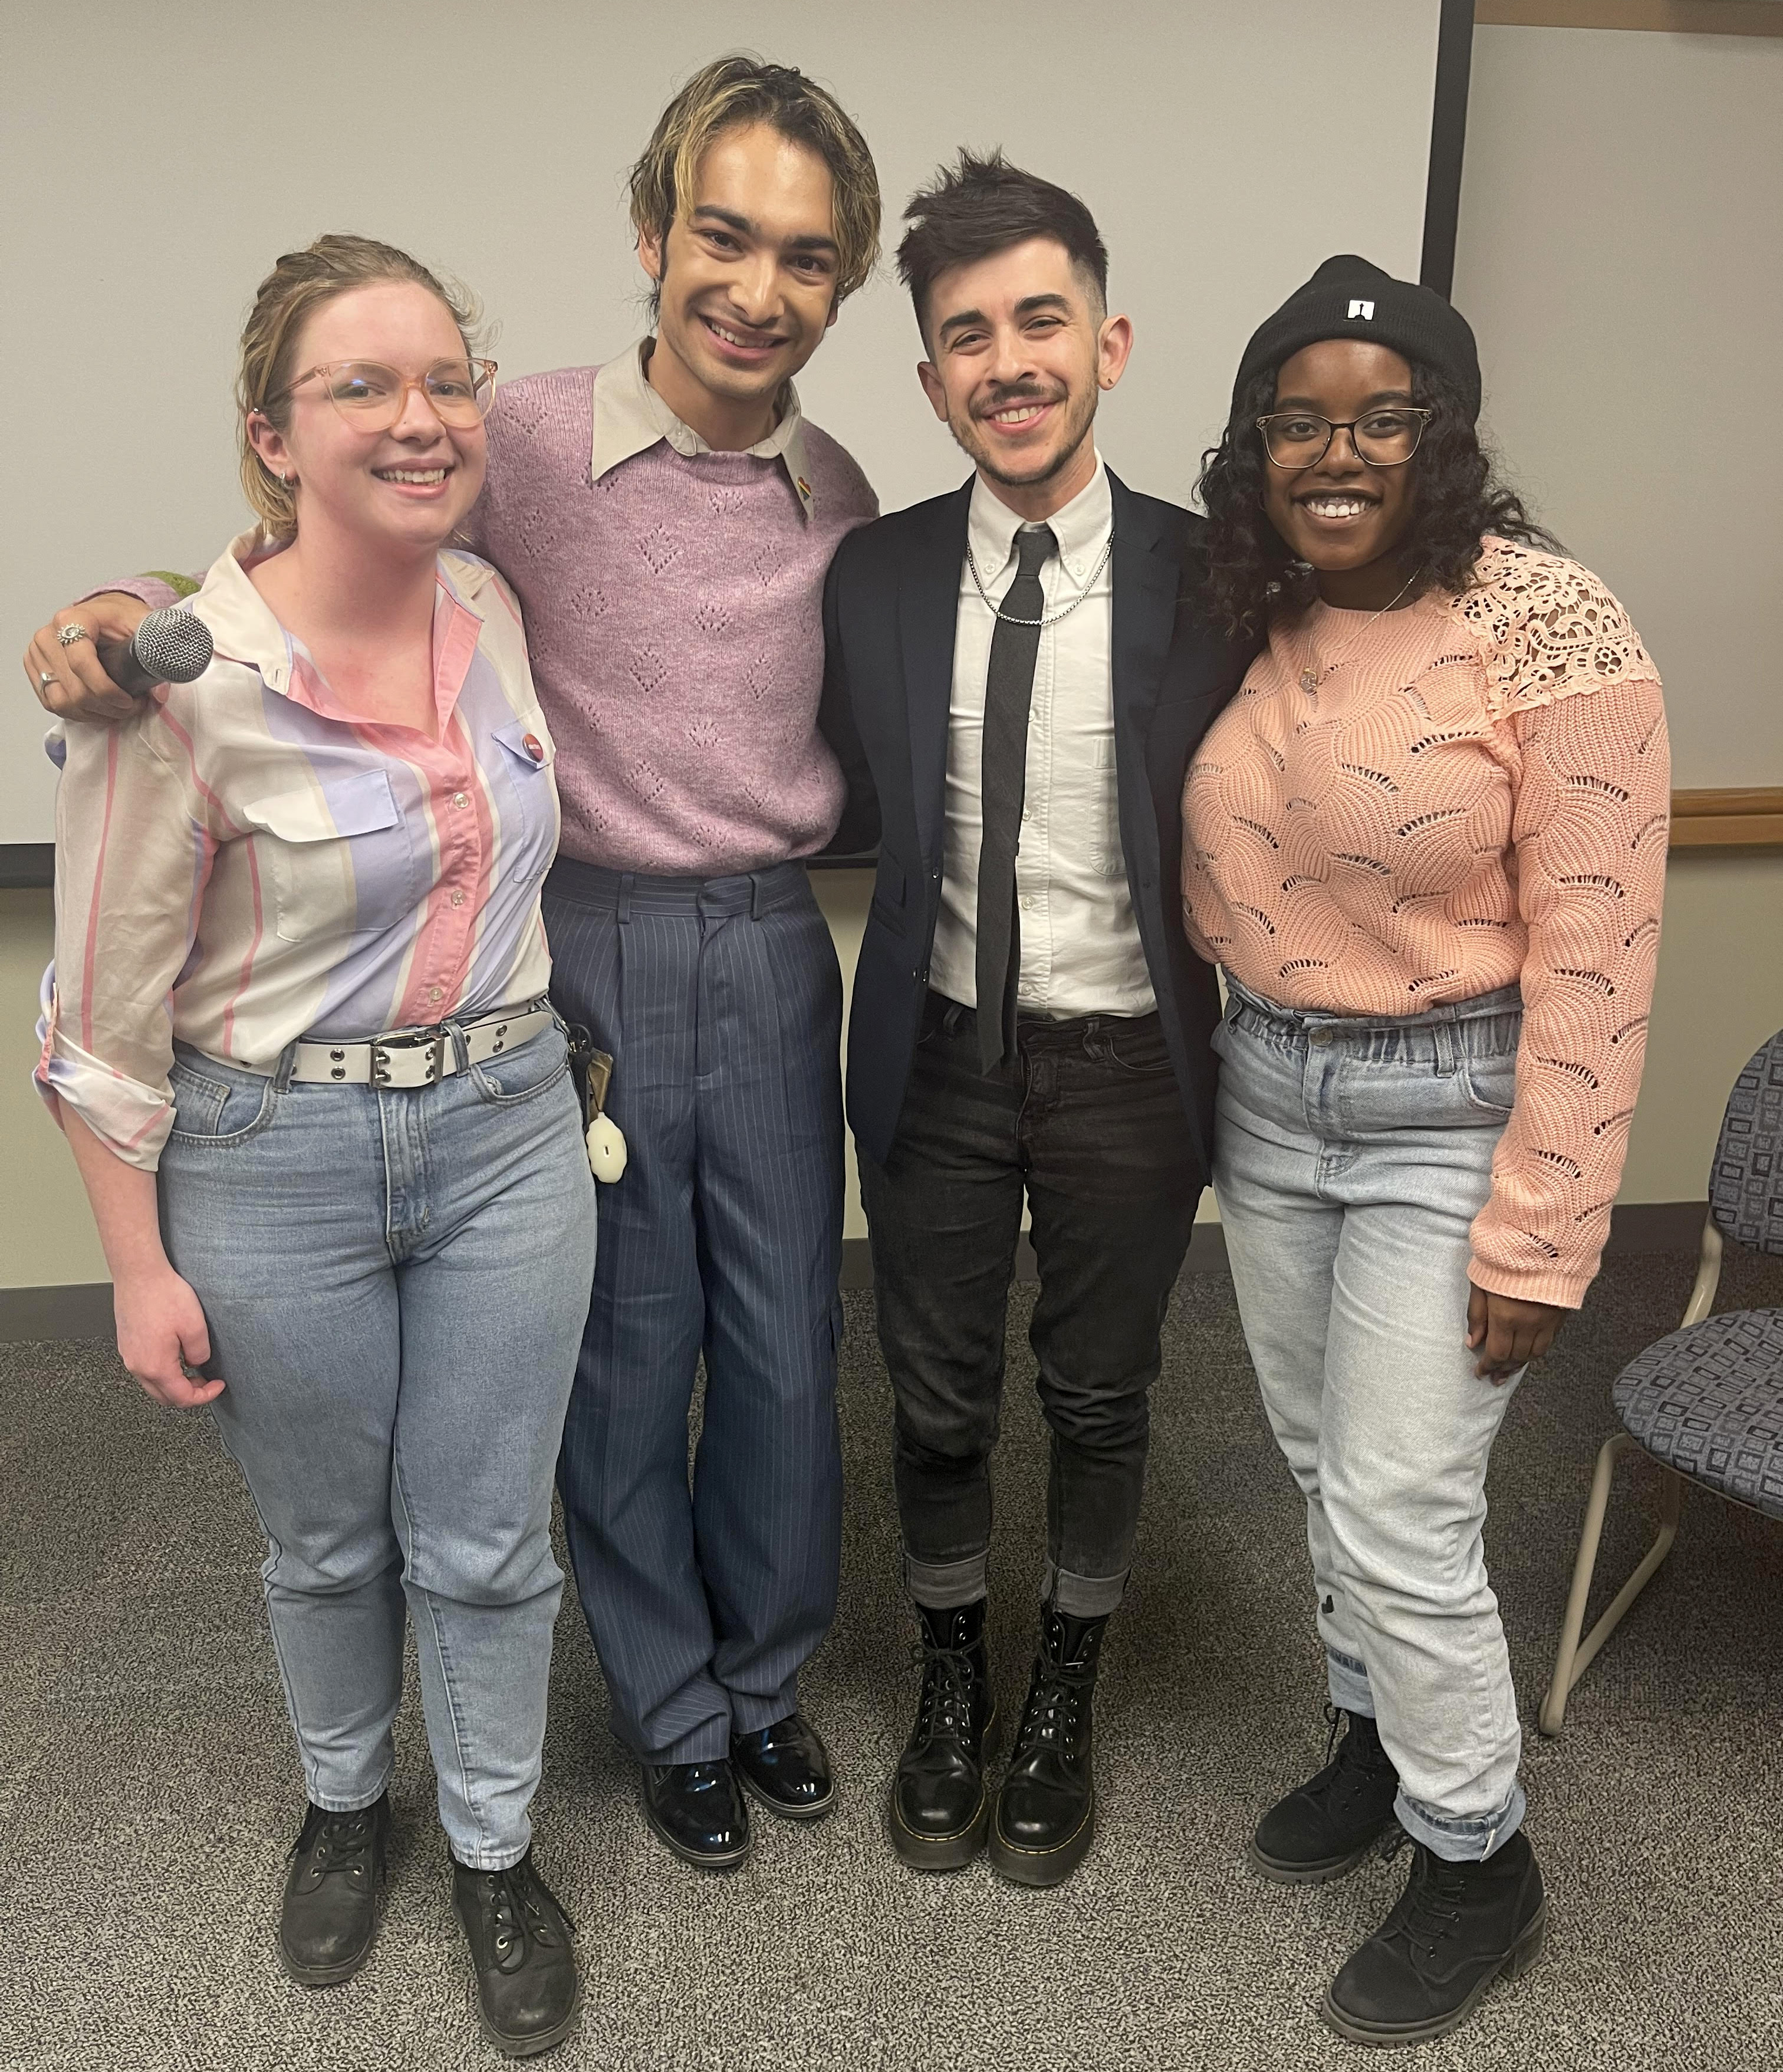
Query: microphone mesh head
173	646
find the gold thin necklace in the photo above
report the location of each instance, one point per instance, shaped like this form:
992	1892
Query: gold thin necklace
1310	675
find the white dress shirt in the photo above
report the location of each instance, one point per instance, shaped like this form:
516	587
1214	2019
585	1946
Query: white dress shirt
1080	946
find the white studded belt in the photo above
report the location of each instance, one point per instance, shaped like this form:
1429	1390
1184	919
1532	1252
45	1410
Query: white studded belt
418	1057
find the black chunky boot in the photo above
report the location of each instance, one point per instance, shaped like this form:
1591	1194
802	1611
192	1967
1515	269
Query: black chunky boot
1457	1928
330	1912
939	1808
529	1994
1325	1827
1045	1813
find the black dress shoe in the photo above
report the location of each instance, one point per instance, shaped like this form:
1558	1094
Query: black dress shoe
1327	1826
697	1810
939	1808
1045	1813
529	1994
330	1912
787	1767
1457	1928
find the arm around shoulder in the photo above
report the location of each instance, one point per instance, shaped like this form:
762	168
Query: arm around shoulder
859	826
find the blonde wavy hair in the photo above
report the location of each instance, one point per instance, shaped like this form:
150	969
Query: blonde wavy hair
298	286
742	88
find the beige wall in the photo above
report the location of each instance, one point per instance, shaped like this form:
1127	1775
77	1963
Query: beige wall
1720	994
1621	256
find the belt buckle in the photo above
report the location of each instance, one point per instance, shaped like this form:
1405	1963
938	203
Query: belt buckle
434	1045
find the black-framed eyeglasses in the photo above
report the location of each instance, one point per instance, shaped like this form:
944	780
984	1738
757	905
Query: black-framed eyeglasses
1385	438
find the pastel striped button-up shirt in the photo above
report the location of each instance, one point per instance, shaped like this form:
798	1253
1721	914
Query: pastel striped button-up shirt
244	862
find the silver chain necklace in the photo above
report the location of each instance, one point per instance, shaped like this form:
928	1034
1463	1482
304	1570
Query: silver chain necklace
1309	676
1046	618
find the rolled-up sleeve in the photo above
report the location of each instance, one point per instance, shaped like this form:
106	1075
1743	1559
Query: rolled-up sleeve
132	853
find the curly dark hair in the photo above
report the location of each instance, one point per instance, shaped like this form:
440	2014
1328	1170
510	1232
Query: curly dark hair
1456	500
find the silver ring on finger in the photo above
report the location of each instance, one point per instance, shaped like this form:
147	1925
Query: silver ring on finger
68	635
45	678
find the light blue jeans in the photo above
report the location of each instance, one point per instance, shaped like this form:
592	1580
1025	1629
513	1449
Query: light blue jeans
395	1283
1351	1155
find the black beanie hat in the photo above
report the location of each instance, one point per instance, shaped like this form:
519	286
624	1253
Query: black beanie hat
1348	297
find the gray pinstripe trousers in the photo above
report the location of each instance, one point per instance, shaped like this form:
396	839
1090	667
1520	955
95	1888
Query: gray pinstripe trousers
721	1002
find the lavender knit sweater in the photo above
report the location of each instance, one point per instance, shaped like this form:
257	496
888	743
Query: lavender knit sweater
674	609
674	615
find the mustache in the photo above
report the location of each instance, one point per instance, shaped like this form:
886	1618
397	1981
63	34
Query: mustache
1021	392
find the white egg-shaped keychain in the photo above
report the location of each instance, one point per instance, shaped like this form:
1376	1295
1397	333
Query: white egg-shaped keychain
606	1151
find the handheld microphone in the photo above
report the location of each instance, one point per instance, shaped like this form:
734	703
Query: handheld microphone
169	647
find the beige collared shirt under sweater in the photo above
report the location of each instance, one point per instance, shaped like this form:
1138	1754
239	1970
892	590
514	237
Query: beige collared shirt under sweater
630	418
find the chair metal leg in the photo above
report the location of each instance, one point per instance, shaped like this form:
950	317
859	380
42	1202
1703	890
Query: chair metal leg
1708	1276
1575	1656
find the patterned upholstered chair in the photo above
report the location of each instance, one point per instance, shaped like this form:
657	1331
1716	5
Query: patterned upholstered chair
1705	1404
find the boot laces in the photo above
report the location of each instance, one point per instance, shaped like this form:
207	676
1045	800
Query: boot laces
338	1842
516	1900
1432	1902
1054	1711
948	1674
1351	1769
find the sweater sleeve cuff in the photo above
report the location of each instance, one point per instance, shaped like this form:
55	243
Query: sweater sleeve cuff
159	589
1562	1286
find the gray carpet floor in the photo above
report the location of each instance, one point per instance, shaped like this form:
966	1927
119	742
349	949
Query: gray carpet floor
148	1790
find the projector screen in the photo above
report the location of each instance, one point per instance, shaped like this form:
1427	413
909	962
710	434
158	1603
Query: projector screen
158	158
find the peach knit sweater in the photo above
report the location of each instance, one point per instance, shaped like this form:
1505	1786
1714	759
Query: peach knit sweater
1472	793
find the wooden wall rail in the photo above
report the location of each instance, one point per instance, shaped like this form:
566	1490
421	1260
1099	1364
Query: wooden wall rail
1732	819
1701	17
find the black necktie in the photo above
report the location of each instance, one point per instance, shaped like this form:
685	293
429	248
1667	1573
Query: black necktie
1009	690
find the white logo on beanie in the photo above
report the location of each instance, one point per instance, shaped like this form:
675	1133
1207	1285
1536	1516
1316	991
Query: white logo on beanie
1365	311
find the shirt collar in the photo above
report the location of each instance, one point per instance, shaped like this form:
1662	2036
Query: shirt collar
1081	528
630	418
245	628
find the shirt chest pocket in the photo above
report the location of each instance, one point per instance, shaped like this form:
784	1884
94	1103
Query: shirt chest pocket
343	859
527	797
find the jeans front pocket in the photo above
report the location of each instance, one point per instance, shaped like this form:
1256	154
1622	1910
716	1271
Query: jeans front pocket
1490	1083
524	1073
218	1105
1136	1053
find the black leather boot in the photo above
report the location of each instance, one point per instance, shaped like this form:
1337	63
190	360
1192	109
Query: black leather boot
1326	1826
329	1913
1045	1813
939	1808
1457	1928
529	1994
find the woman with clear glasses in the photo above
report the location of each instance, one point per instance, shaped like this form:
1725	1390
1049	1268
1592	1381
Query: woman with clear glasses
1427	844
297	1033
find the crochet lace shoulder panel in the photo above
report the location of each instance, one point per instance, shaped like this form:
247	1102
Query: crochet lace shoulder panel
1548	629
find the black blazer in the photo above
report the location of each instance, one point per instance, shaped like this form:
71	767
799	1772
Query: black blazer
889	608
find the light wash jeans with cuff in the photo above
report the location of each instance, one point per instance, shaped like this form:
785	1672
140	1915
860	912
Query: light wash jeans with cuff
1351	1156
394	1282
